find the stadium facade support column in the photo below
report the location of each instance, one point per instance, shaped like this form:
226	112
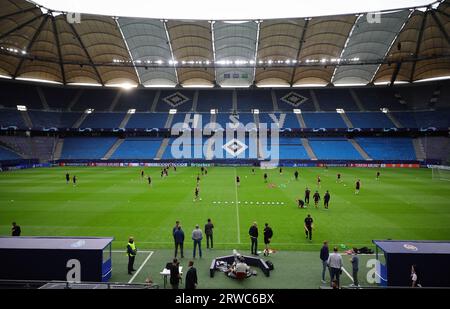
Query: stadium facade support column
125	120
26	118
75	100
162	149
169	121
194	101
394	120
359	149
301	121
113	149
42	97
274	100
115	101
314	99
256	119
308	149
357	100
234	101
155	101
80	120
347	120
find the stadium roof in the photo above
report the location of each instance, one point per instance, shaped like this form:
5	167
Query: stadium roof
403	45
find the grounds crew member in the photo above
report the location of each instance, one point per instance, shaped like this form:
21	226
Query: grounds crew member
131	252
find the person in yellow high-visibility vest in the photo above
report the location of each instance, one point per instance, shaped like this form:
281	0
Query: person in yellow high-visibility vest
131	252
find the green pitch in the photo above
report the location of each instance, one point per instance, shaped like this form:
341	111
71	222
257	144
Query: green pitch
403	204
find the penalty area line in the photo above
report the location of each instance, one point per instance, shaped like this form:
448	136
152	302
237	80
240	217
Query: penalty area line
142	266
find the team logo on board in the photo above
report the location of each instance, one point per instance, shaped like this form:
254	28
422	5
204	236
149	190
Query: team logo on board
294	99
235	147
176	99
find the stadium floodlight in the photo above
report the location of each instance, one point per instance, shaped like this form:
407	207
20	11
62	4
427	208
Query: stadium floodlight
89	111
255	111
297	111
340	111
172	111
214	111
131	111
21	108
384	110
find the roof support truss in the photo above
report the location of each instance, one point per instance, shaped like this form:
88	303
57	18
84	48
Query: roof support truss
30	44
4	35
169	42
419	43
395	73
128	50
58	46
213	48
75	32
256	50
16	13
441	27
300	45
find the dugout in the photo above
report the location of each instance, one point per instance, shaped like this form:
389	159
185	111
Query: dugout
395	258
71	259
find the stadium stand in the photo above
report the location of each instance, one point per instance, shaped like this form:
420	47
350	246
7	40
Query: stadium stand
294	98
373	99
292	148
138	148
86	147
13	94
336	148
290	120
369	120
42	119
6	154
102	120
323	120
423	119
436	148
11	117
38	147
388	148
181	100
59	98
248	100
140	100
215	99
98	99
147	120
331	99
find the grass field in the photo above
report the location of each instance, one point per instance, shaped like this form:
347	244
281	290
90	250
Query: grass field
403	204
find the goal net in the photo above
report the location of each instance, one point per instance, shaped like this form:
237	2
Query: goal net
441	172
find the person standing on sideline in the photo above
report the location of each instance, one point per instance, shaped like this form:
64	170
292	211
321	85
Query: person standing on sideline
355	267
357	186
74	180
268	234
175	228
307	193
175	274
15	230
191	277
296	175
67	178
179	241
197	237
131	252
308	226
335	265
324	254
253	232
209	233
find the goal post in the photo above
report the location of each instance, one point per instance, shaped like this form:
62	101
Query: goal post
441	172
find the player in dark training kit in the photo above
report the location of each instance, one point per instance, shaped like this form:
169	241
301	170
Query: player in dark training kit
316	198
198	179
281	171
74	179
296	175
67	178
308	227
197	194
142	174
318	181
238	181
301	204
307	193
338	180
265	177
357	186
149	180
326	199
378	175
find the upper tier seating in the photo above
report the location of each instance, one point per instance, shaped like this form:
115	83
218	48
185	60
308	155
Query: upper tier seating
98	99
140	100
373	99
13	94
102	120
53	119
290	120
438	119
330	99
181	100
215	99
147	120
7	155
250	99
11	117
323	120
369	120
60	98
289	99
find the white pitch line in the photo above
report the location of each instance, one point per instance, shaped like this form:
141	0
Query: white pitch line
142	266
348	275
237	209
125	251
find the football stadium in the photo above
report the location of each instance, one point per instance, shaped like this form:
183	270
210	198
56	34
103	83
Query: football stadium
304	151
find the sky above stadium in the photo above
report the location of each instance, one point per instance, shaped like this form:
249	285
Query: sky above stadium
226	9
